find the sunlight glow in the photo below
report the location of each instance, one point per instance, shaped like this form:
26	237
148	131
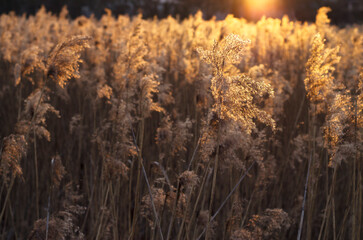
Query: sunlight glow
258	8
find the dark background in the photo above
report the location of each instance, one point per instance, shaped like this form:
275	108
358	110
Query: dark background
344	11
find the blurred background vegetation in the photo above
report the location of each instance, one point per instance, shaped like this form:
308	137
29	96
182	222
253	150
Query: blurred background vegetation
344	11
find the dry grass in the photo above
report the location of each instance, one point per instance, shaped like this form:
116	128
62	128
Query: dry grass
169	129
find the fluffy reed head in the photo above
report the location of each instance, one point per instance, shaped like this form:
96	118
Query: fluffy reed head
269	225
14	149
234	93
63	61
319	70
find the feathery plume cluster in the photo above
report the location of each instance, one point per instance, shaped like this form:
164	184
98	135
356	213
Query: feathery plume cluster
58	171
231	49
104	91
63	61
114	169
172	137
34	114
31	59
269	225
159	197
13	150
148	87
322	19
189	179
336	123
319	70
64	223
234	93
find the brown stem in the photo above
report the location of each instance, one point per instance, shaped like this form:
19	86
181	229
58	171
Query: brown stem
103	211
138	181
36	176
196	201
7	197
213	185
174	211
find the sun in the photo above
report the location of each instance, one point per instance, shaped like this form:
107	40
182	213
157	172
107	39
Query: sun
259	8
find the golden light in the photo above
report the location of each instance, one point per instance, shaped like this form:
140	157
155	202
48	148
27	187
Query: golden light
255	9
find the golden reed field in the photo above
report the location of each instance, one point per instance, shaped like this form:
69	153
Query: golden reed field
126	128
